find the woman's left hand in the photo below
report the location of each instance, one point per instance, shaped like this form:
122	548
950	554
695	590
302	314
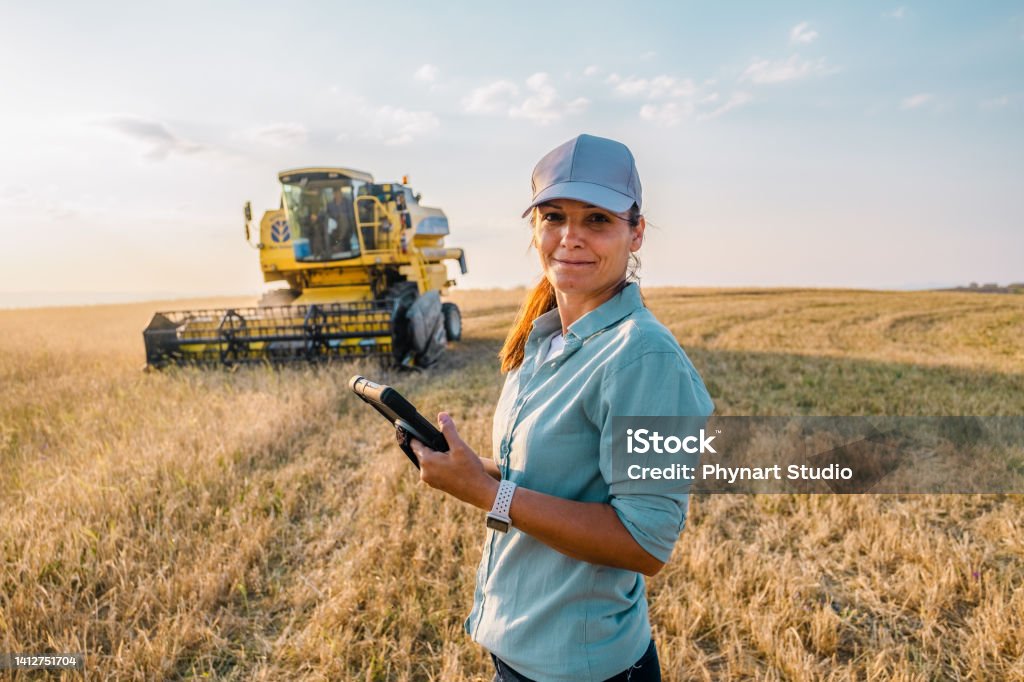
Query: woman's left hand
588	531
458	472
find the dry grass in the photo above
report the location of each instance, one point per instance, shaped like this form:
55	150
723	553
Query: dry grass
261	525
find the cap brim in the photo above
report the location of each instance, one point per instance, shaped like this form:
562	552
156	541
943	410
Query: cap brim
587	192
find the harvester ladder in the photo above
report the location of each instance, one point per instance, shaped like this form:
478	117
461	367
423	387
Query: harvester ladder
421	268
374	224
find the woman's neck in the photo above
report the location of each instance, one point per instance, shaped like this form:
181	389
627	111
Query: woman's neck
572	307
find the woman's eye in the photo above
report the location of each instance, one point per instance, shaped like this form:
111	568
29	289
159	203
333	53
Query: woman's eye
599	218
551	217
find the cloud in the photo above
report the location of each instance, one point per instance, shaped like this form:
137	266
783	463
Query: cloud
916	101
672	100
659	87
802	33
702	107
543	105
281	135
13	194
994	103
21	200
397	126
427	73
490	98
764	71
592	70
897	13
385	123
667	114
159	139
735	101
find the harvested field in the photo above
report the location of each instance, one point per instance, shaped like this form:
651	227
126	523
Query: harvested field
261	524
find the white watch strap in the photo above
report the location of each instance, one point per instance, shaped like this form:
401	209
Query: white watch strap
503	500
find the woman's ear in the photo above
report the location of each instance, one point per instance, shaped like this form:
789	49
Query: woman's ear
637	239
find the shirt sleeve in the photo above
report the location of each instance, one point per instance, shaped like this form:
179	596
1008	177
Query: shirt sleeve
656	384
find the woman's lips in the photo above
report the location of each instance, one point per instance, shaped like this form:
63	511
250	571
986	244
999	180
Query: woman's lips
573	263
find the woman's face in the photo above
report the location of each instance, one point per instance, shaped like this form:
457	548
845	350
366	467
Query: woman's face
584	250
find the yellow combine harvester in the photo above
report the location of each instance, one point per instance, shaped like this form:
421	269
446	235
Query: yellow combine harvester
364	265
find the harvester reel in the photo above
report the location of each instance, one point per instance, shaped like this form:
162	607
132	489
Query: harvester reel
233	349
313	326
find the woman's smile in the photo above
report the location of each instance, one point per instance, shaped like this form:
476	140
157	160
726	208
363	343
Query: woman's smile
573	262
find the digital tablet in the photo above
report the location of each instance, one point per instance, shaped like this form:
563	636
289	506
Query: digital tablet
396	409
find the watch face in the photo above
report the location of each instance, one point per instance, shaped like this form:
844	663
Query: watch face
498	524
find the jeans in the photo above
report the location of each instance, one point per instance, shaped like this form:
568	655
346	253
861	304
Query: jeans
646	669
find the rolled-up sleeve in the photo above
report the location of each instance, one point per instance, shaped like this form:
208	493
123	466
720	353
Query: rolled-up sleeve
654	521
656	384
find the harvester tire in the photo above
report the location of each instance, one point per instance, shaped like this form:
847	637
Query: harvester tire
452	321
426	329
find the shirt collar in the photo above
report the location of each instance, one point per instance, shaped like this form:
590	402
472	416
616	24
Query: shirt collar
621	305
546	324
605	315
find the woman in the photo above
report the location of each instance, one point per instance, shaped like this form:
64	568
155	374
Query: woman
559	591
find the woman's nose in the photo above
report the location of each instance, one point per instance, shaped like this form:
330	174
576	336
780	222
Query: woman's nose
572	233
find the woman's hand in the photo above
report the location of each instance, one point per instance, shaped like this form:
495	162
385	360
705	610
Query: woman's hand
460	472
588	531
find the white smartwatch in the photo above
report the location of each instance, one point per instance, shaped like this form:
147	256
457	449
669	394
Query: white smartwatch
498	517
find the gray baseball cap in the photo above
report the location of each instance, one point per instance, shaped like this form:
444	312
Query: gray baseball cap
591	169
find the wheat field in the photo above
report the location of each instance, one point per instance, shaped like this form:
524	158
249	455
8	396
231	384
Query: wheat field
261	524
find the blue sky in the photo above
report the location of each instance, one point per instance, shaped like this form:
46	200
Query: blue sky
866	144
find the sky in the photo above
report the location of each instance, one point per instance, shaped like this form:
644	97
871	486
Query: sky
832	144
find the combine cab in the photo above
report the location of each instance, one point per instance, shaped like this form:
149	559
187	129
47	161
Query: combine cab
364	267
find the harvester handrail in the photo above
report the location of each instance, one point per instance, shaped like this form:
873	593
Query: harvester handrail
379	209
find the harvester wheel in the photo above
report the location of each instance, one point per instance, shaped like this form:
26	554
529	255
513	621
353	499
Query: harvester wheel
452	321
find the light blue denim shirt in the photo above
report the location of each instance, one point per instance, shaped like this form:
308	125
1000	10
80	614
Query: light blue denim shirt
549	616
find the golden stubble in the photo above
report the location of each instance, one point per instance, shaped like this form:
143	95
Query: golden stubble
261	524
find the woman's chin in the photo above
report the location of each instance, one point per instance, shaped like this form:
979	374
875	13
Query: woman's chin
568	284
578	283
572	277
